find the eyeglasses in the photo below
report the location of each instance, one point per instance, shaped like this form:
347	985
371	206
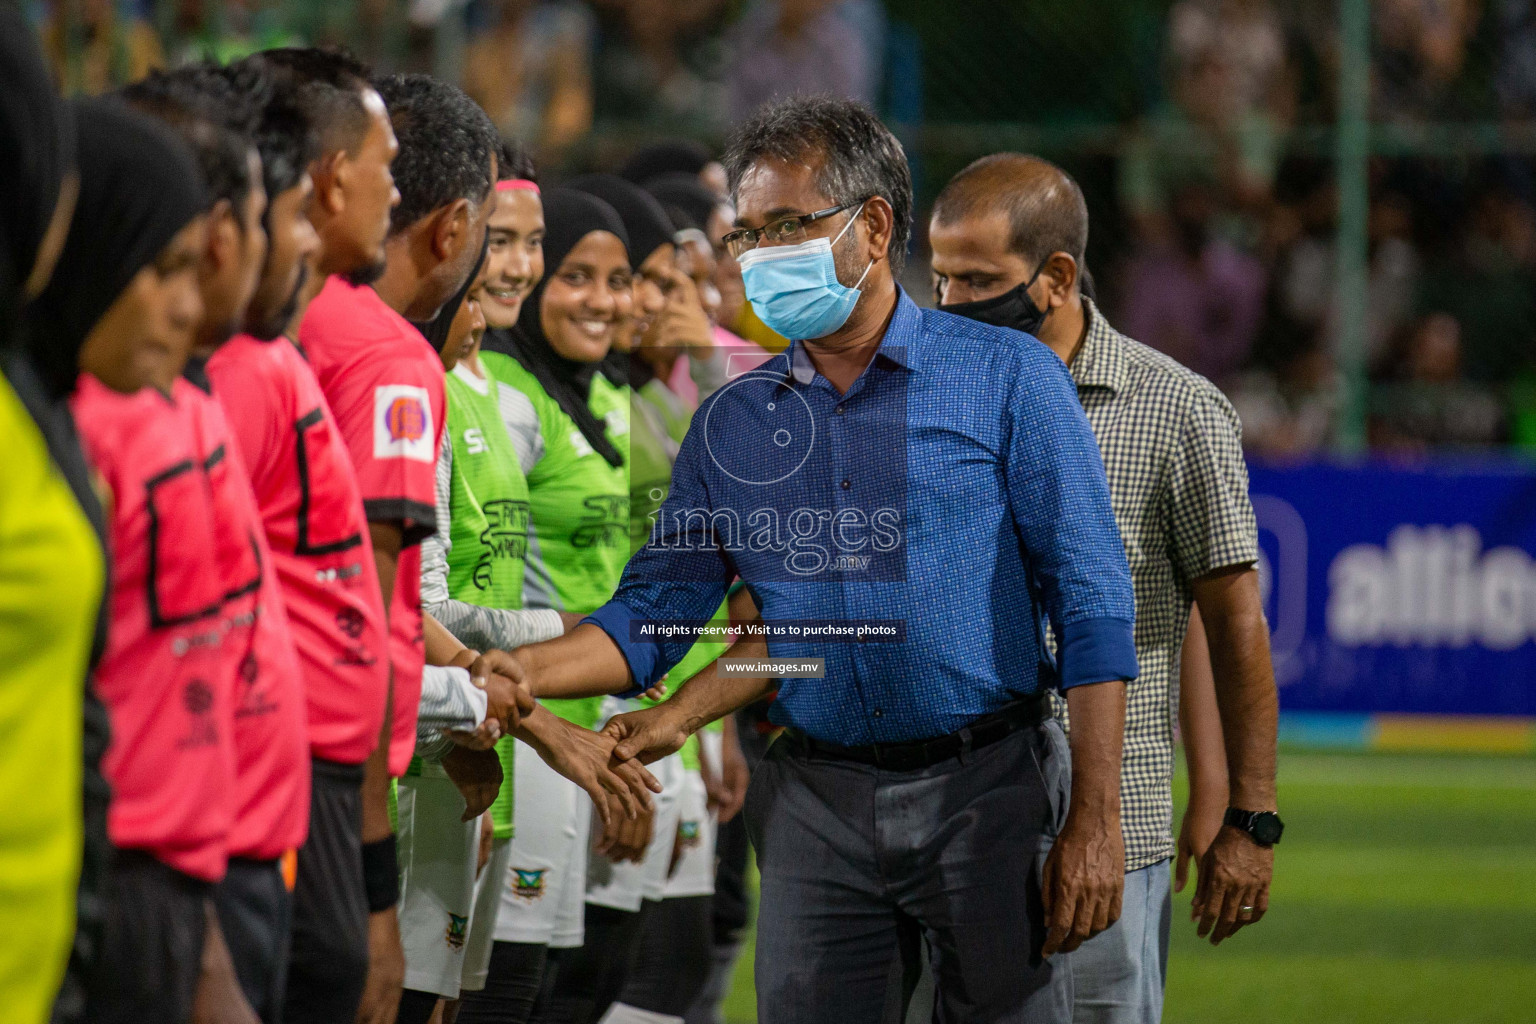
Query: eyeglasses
784	231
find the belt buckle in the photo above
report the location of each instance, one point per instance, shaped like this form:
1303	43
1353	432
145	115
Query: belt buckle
907	759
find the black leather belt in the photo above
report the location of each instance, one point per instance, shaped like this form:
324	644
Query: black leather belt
918	754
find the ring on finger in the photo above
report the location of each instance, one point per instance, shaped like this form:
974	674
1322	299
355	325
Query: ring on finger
1245	911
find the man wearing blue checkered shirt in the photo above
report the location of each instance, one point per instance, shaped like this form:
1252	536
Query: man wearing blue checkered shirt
1008	236
914	498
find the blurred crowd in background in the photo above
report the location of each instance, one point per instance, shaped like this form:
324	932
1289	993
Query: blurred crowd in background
1201	130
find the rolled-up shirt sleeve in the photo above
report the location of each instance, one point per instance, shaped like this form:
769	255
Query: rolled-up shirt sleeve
1059	499
681	574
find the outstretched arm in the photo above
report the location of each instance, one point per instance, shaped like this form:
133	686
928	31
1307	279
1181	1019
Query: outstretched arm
582	663
653	733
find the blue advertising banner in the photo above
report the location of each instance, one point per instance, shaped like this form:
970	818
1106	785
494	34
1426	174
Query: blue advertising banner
1398	589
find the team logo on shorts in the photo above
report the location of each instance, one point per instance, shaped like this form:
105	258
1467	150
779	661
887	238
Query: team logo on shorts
528	885
687	834
458	926
402	423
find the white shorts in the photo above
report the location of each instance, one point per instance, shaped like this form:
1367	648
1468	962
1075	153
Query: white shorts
623	885
546	870
482	919
695	874
437	882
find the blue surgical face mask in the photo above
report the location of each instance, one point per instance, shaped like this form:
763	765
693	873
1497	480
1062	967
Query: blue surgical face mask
794	288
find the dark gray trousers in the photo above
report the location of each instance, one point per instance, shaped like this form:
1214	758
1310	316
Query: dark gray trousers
857	861
152	943
256	916
328	959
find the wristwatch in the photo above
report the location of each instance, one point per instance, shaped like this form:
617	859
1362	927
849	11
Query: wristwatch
1263	827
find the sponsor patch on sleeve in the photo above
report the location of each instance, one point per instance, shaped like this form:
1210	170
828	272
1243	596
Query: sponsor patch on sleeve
402	423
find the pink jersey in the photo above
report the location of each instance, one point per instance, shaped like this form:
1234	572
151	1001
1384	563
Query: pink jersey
385	385
164	677
306	491
271	743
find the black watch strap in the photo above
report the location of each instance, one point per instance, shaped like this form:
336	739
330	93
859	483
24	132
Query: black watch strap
1263	827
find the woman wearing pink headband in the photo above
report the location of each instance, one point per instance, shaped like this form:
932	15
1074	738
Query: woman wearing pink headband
515	250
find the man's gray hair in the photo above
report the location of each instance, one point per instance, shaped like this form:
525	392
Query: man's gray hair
859	155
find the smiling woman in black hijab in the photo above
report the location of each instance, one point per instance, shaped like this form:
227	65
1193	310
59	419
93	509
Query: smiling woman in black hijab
557	410
652	257
564	370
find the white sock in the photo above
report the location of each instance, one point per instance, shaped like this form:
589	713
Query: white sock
623	1013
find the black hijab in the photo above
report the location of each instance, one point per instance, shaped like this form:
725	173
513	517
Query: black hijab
569	216
669	156
37	138
437	329
649	229
686	198
139	186
647	223
38	148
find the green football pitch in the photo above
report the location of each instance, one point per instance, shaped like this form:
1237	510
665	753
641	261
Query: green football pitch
1404	892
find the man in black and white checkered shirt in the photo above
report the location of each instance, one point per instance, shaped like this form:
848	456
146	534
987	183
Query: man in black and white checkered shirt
1008	237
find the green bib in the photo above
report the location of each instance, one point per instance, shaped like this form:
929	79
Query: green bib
578	535
488	499
652	452
674	410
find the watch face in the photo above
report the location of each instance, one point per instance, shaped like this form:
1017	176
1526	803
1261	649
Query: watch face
1267	828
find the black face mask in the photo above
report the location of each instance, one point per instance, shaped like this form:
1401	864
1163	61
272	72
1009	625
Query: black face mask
1014	308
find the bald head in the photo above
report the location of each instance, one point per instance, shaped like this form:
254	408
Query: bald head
1042	205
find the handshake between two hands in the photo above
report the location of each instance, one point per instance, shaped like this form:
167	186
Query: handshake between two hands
617	781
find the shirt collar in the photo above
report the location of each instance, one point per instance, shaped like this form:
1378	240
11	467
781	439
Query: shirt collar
900	344
1100	363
